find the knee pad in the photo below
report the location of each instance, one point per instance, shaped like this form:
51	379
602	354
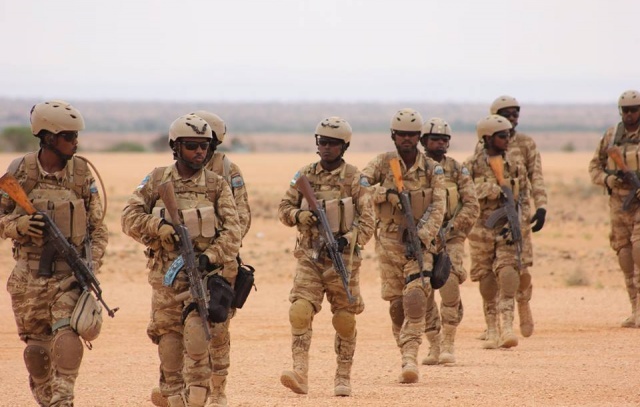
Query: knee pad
195	342
170	350
37	359
415	304
525	280
344	323
396	311
300	314
450	292
67	352
625	259
509	281
489	287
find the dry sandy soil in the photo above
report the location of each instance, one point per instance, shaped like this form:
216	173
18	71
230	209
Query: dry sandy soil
578	355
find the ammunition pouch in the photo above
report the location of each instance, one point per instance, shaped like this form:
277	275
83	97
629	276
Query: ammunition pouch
440	273
244	282
220	298
86	318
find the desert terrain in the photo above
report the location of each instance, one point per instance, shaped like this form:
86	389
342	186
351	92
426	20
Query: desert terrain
578	355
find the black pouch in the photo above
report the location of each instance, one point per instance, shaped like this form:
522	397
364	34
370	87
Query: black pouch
244	283
220	298
441	270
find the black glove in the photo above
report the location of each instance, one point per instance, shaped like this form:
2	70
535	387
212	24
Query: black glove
506	235
538	218
204	264
342	243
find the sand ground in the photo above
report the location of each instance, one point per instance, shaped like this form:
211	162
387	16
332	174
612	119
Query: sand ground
578	355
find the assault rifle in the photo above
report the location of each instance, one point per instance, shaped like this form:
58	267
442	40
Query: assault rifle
413	245
303	185
508	209
55	244
628	176
196	285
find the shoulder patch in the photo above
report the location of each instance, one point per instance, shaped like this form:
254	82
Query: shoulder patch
144	182
438	170
295	178
464	170
364	181
237	181
93	188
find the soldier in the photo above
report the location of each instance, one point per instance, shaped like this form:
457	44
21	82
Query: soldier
624	237
461	212
494	257
206	204
61	184
342	187
401	278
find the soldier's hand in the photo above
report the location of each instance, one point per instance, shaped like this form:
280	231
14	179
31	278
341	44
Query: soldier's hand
613	182
494	191
306	218
393	197
31	225
342	243
168	237
506	235
538	219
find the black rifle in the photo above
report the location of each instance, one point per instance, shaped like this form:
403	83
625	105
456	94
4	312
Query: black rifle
330	242
196	285
55	244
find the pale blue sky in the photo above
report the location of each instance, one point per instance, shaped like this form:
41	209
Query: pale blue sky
326	50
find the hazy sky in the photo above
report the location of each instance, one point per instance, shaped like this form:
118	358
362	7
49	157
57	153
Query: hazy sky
324	50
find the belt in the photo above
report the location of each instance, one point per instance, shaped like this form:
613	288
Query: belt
416	276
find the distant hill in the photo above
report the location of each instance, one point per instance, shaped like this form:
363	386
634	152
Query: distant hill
301	118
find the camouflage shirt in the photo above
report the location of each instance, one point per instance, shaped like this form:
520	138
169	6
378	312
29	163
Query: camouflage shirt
598	163
458	174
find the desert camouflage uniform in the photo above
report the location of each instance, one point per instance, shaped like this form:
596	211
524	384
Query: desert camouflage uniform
315	275
166	328
624	236
407	318
40	302
456	177
491	254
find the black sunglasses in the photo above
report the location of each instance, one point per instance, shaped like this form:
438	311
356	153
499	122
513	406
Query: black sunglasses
68	136
332	143
632	109
193	145
503	135
438	137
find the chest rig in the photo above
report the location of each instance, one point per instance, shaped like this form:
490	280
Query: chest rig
195	206
334	195
420	194
629	148
451	175
483	174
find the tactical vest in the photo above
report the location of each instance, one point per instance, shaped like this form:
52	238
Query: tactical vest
451	175
336	200
488	177
221	165
420	196
67	204
198	215
630	150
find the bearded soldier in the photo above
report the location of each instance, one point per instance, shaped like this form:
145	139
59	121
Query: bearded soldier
342	191
461	212
206	206
401	277
61	184
623	139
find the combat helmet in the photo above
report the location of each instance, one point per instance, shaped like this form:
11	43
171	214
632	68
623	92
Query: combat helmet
218	127
334	127
55	116
406	119
629	98
492	124
189	125
436	125
502	102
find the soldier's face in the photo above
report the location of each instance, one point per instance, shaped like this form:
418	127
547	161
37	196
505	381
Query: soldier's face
66	142
630	115
193	150
510	113
406	141
500	140
329	149
436	143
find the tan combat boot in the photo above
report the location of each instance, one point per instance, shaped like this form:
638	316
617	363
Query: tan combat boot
345	349
508	338
631	321
158	399
296	379
526	319
217	397
434	348
491	341
410	372
448	339
177	400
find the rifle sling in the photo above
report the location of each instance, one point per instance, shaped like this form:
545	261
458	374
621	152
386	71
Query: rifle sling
416	276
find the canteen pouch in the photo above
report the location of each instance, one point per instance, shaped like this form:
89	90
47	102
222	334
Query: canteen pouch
244	282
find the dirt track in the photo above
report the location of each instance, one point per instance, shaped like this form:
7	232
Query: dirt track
578	355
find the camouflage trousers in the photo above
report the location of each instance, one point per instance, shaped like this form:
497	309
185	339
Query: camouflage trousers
451	310
38	303
406	325
489	251
624	238
186	358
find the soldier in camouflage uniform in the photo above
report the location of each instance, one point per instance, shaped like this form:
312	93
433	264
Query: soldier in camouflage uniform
494	260
206	204
461	212
625	227
342	190
400	276
61	184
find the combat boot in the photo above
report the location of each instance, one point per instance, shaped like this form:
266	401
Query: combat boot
526	319
345	349
217	397
177	400
491	341
508	338
448	339
434	348
296	379
631	321
157	398
410	372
